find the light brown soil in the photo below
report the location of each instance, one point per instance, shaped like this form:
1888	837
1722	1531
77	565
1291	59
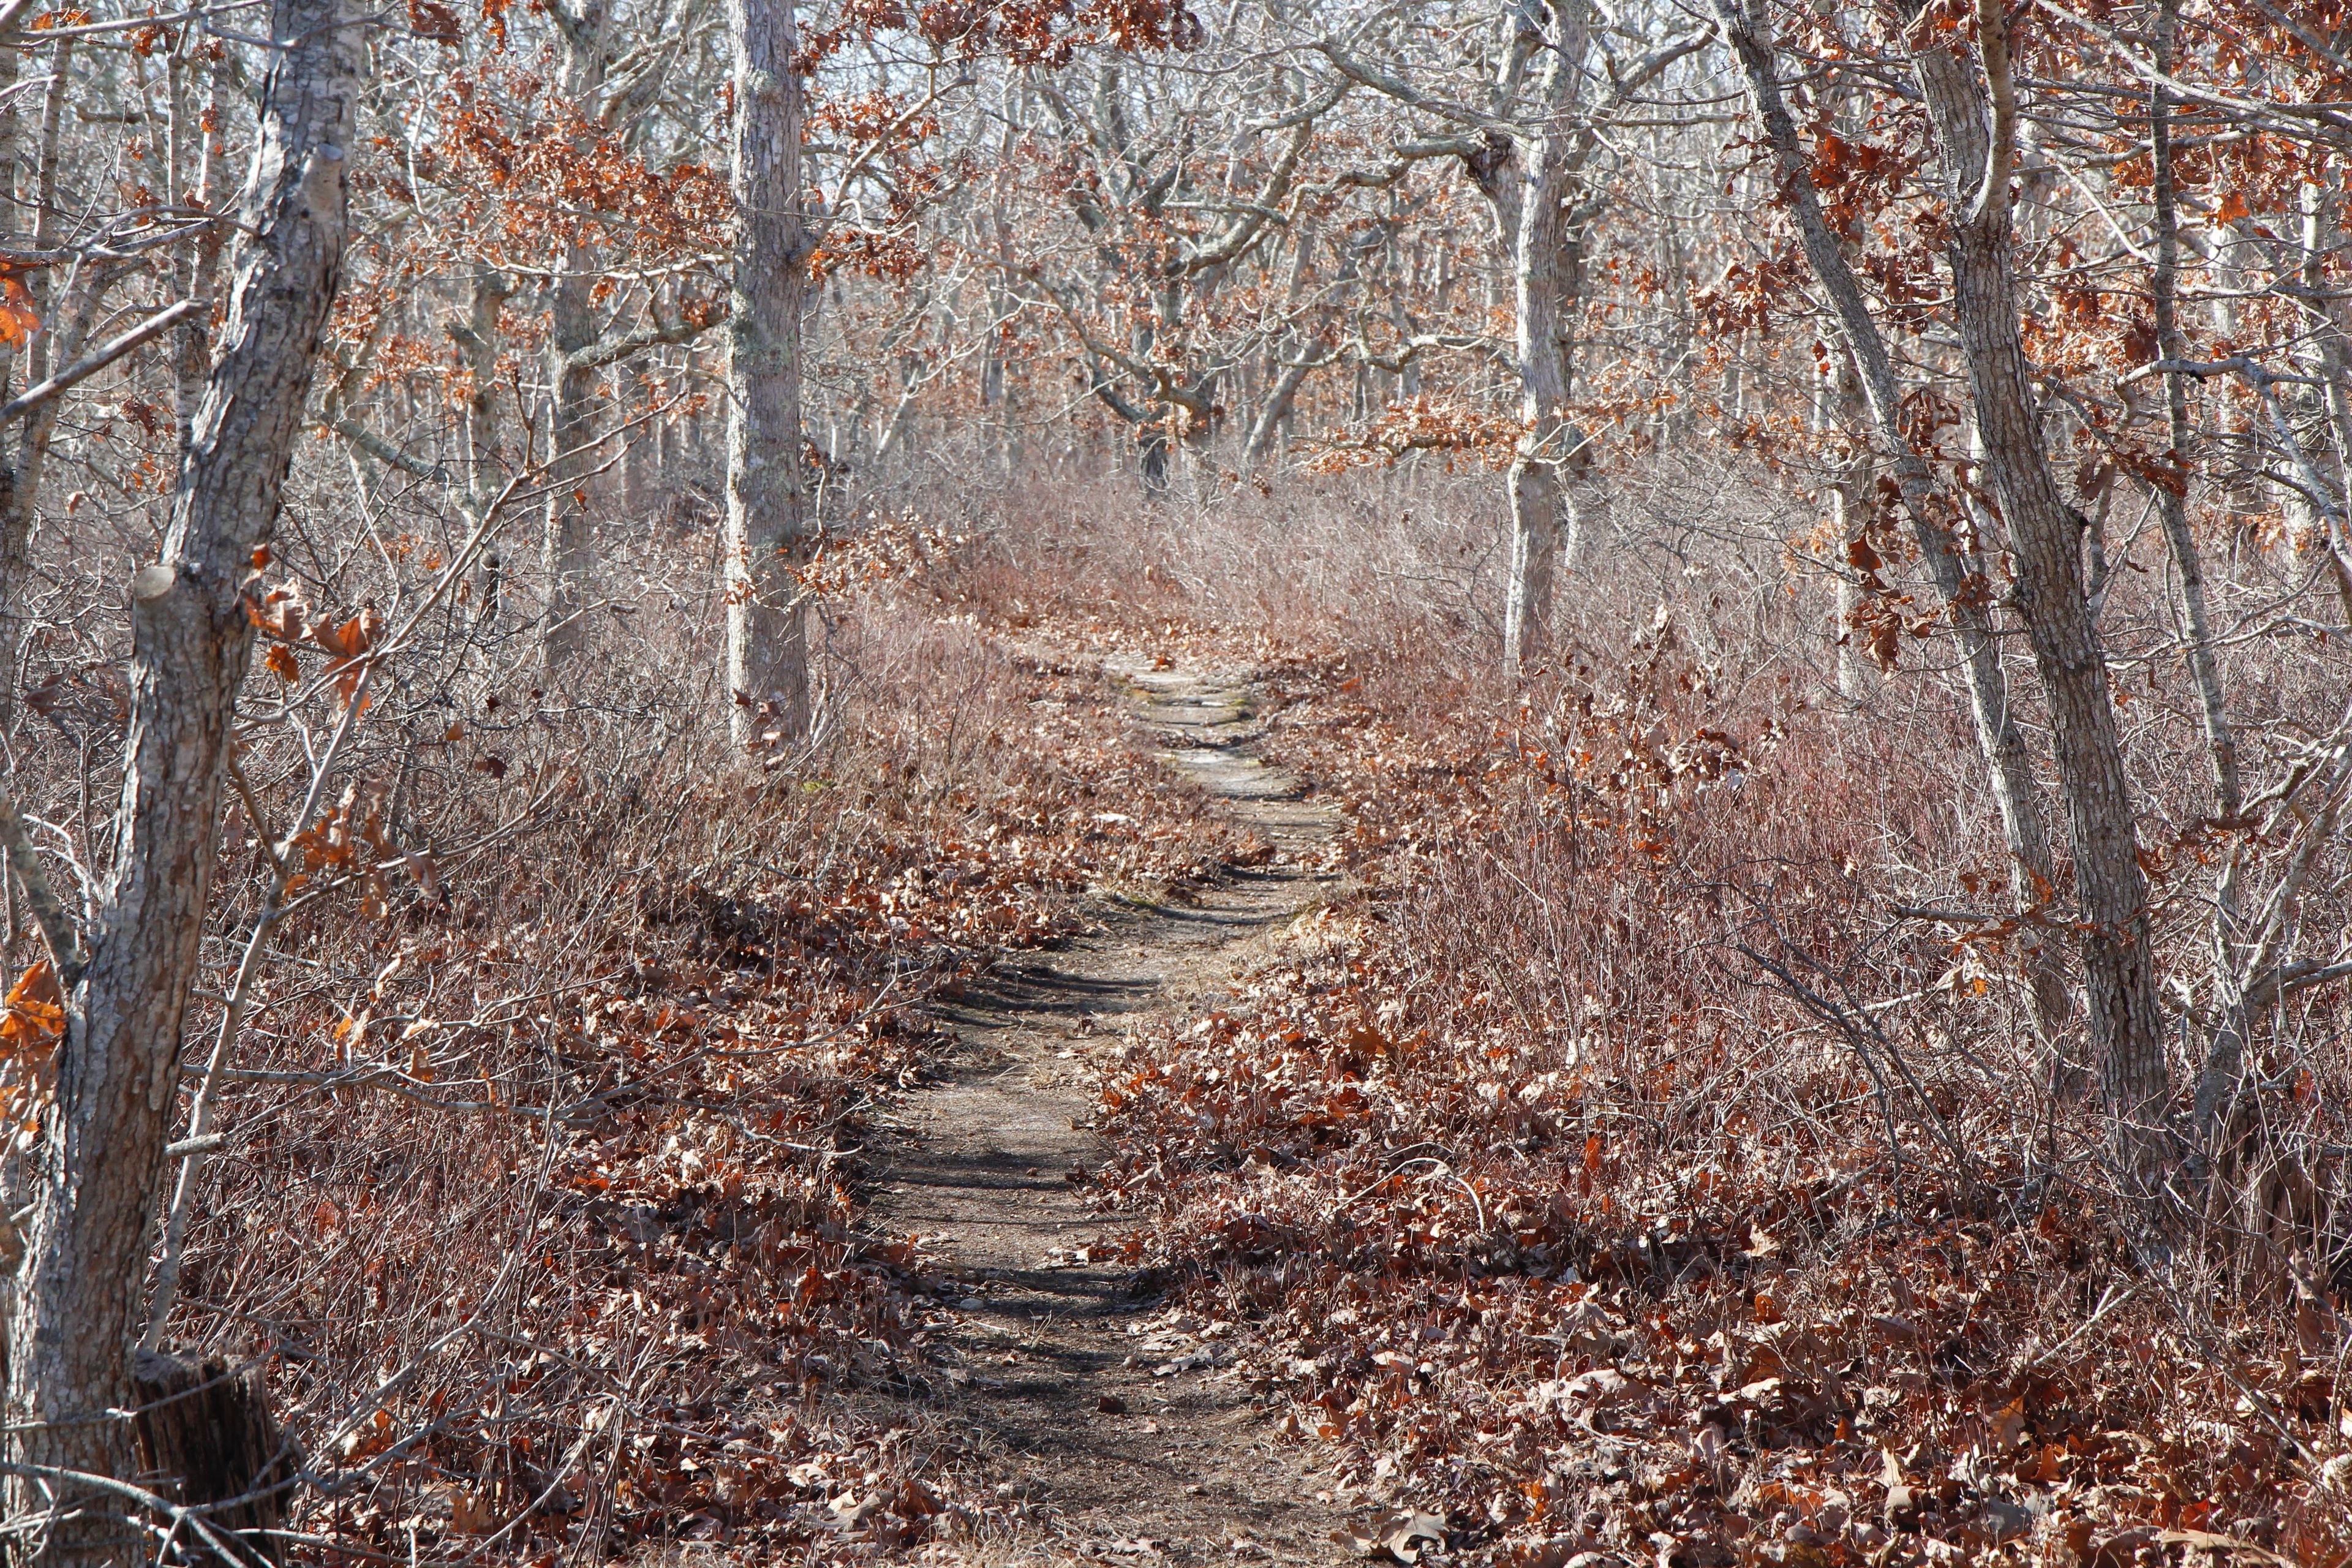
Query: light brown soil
1116	1423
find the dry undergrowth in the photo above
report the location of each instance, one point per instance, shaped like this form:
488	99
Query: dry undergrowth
1610	1171
1615	1174
1567	1225
538	1201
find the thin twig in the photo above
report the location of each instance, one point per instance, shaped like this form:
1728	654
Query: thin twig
154	326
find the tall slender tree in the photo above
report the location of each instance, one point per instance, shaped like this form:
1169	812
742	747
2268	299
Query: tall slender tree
767	495
2009	767
1528	140
1974	113
88	1188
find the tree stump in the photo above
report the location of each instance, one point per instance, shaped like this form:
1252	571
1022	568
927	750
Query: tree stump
206	1435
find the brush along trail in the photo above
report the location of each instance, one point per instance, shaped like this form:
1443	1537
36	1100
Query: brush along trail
1115	1420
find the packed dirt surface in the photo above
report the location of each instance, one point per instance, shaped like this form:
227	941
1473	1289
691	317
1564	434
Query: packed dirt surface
1116	1425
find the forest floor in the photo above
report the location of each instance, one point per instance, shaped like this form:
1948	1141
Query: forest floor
1155	1093
1122	1431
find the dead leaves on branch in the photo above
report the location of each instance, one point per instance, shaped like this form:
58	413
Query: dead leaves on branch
1029	32
893	548
524	170
18	319
1451	426
287	623
31	1029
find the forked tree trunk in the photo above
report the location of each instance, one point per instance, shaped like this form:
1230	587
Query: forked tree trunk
71	1305
767	501
2045	537
2009	767
1280	400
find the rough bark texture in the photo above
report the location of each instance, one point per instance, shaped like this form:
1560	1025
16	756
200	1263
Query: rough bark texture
206	1435
1961	584
486	458
70	1307
194	269
2045	537
1850	513
567	543
1274	412
1531	164
767	503
20	469
489	289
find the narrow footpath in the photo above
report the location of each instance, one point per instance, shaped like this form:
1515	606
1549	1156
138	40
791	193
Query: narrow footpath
1115	1420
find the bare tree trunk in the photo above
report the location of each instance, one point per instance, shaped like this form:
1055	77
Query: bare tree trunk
637	474
488	290
70	1306
2225	1048
2331	359
767	646
567	546
195	269
2172	501
2332	354
1152	444
1276	408
1542	269
669	431
1841	407
1857	678
480	336
206	1435
1536	529
2045	537
568	538
11	127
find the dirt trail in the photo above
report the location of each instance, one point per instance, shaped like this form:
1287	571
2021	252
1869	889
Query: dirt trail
1112	1416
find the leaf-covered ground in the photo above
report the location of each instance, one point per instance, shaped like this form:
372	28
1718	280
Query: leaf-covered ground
544	1211
1548	1215
1600	1172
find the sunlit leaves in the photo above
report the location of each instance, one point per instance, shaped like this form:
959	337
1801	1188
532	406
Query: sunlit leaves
18	319
31	1027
